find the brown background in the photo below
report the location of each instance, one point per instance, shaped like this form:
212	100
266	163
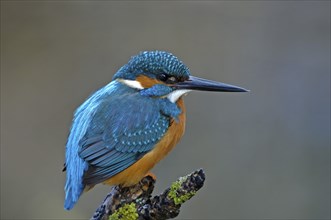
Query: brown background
266	154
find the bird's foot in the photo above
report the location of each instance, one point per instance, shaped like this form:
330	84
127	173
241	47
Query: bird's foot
144	187
151	175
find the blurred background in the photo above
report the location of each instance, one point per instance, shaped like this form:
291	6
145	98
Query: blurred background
266	153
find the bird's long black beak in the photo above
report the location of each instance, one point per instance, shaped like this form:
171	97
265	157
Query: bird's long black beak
196	83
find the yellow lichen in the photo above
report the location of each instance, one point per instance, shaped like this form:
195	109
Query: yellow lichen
178	200
126	212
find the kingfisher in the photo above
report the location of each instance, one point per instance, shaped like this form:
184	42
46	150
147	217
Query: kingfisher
125	128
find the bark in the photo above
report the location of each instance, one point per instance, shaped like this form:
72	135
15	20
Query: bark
136	202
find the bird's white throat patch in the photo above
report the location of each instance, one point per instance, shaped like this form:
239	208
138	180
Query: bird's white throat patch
176	94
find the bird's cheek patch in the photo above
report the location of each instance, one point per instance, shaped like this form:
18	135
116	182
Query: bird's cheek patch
147	82
157	90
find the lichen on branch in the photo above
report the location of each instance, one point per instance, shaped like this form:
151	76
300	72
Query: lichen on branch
136	202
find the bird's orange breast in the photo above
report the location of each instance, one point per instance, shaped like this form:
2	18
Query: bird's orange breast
139	169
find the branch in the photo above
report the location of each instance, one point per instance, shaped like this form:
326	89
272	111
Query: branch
136	202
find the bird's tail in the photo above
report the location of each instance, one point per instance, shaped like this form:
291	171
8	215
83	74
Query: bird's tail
69	203
74	186
72	197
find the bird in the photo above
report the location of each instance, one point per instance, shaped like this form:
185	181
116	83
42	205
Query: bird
126	127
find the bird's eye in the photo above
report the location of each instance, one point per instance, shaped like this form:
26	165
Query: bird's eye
163	77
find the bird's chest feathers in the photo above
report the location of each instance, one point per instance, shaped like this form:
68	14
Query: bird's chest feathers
139	169
172	136
165	145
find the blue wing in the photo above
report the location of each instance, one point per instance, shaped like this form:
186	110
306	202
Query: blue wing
111	130
76	166
111	150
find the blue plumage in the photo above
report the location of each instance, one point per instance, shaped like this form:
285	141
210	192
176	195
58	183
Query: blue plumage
76	166
152	63
124	120
111	130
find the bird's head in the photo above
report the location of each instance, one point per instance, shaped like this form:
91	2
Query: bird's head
161	74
